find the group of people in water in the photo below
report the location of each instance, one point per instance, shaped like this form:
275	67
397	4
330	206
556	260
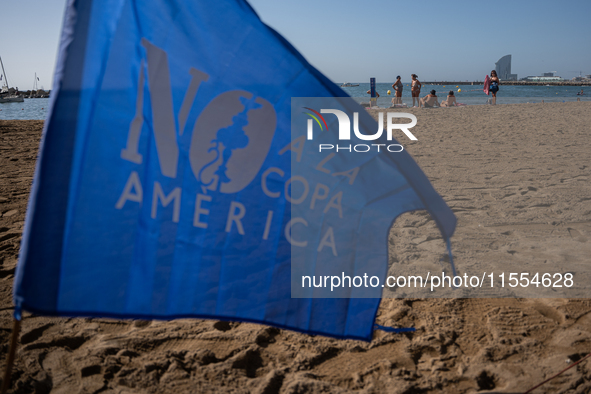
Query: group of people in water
415	90
431	100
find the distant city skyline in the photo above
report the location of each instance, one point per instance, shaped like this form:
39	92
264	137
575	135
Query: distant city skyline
353	41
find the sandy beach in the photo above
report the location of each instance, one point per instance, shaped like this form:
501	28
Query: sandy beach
518	179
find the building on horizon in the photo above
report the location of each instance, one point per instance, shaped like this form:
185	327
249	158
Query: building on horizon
543	78
581	78
503	69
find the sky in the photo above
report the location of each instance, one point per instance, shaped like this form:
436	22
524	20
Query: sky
352	40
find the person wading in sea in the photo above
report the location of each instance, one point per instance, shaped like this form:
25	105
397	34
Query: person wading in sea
494	86
415	89
397	86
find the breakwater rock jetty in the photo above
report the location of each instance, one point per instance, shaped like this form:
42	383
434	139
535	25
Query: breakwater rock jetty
29	93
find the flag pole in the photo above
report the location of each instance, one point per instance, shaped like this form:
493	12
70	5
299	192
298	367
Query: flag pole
10	359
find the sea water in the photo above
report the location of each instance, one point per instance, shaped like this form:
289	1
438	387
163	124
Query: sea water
470	94
35	108
474	94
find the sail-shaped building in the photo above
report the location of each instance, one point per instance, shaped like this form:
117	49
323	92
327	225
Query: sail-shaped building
503	69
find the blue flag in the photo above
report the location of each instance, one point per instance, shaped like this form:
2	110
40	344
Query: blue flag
175	178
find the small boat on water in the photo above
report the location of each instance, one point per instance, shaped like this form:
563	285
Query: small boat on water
5	95
11	99
349	85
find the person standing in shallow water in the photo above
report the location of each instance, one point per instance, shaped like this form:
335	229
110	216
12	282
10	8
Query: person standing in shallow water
397	86
415	89
494	86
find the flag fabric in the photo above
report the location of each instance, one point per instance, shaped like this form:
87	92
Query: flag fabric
162	188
